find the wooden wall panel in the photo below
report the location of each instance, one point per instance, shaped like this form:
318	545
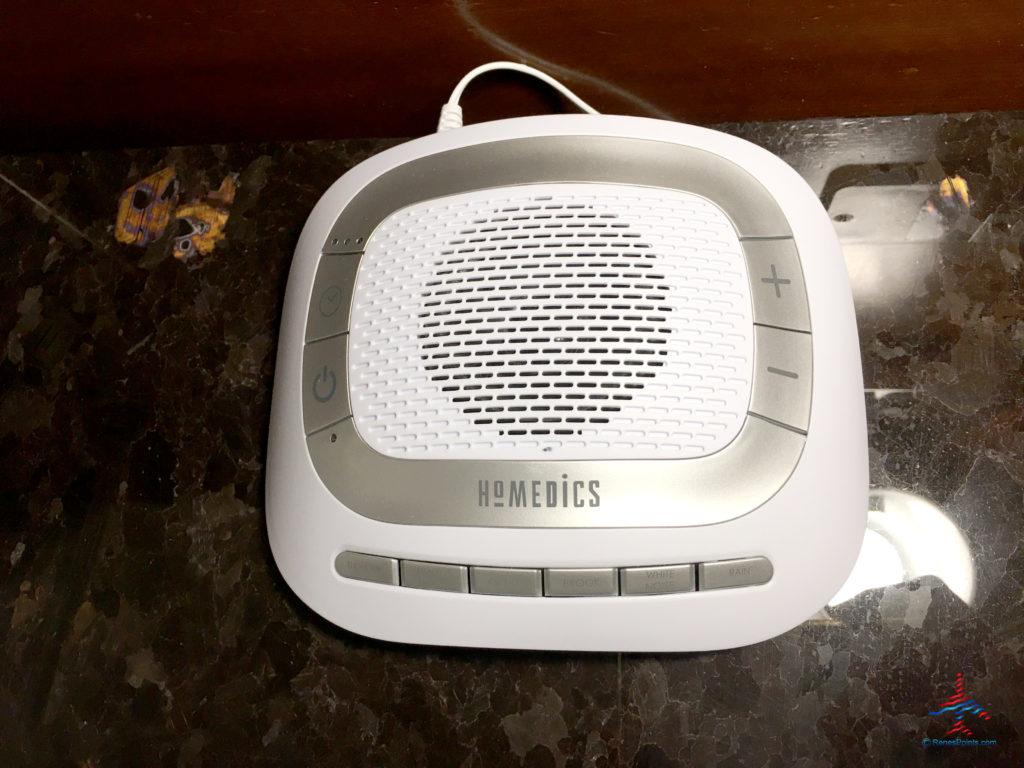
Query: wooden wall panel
76	75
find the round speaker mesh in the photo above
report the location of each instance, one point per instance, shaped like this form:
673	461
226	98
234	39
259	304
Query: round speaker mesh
552	321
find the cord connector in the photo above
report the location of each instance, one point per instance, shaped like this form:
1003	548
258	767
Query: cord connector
451	113
451	117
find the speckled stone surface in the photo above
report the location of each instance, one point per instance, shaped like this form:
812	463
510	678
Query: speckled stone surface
144	624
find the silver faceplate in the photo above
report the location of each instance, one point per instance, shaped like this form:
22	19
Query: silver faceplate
590	493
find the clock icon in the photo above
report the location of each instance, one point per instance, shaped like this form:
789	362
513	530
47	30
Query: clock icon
330	300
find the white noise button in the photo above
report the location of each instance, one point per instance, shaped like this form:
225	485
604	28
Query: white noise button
659	580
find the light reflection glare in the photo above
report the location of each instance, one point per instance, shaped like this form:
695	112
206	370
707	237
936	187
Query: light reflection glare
890	237
908	537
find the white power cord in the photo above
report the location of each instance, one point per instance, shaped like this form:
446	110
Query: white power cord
451	113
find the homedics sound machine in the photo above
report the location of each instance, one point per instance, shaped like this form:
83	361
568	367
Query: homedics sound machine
577	382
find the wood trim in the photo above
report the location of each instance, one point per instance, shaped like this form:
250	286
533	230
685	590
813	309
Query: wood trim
270	69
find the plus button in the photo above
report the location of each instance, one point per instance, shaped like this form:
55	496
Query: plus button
776	281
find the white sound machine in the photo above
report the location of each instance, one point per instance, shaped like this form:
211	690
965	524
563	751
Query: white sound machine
568	382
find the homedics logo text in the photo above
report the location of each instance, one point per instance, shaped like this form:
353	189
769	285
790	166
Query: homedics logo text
539	493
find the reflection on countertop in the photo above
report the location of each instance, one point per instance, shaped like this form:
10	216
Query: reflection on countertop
907	538
144	622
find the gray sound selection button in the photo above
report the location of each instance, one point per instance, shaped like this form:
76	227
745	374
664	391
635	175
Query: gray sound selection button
332	296
659	580
522	582
437	576
724	574
324	386
782	376
580	582
356	565
777	284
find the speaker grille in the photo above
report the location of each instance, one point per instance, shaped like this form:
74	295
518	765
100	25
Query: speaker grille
552	321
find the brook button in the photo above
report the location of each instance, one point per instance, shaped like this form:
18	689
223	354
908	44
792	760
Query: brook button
580	582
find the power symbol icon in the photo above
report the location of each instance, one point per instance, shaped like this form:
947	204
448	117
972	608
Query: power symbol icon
322	389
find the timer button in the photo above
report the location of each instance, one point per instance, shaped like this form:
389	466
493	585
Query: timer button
332	296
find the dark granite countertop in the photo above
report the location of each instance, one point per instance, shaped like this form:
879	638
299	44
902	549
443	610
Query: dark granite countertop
143	622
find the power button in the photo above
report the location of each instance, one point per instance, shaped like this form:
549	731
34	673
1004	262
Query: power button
324	386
